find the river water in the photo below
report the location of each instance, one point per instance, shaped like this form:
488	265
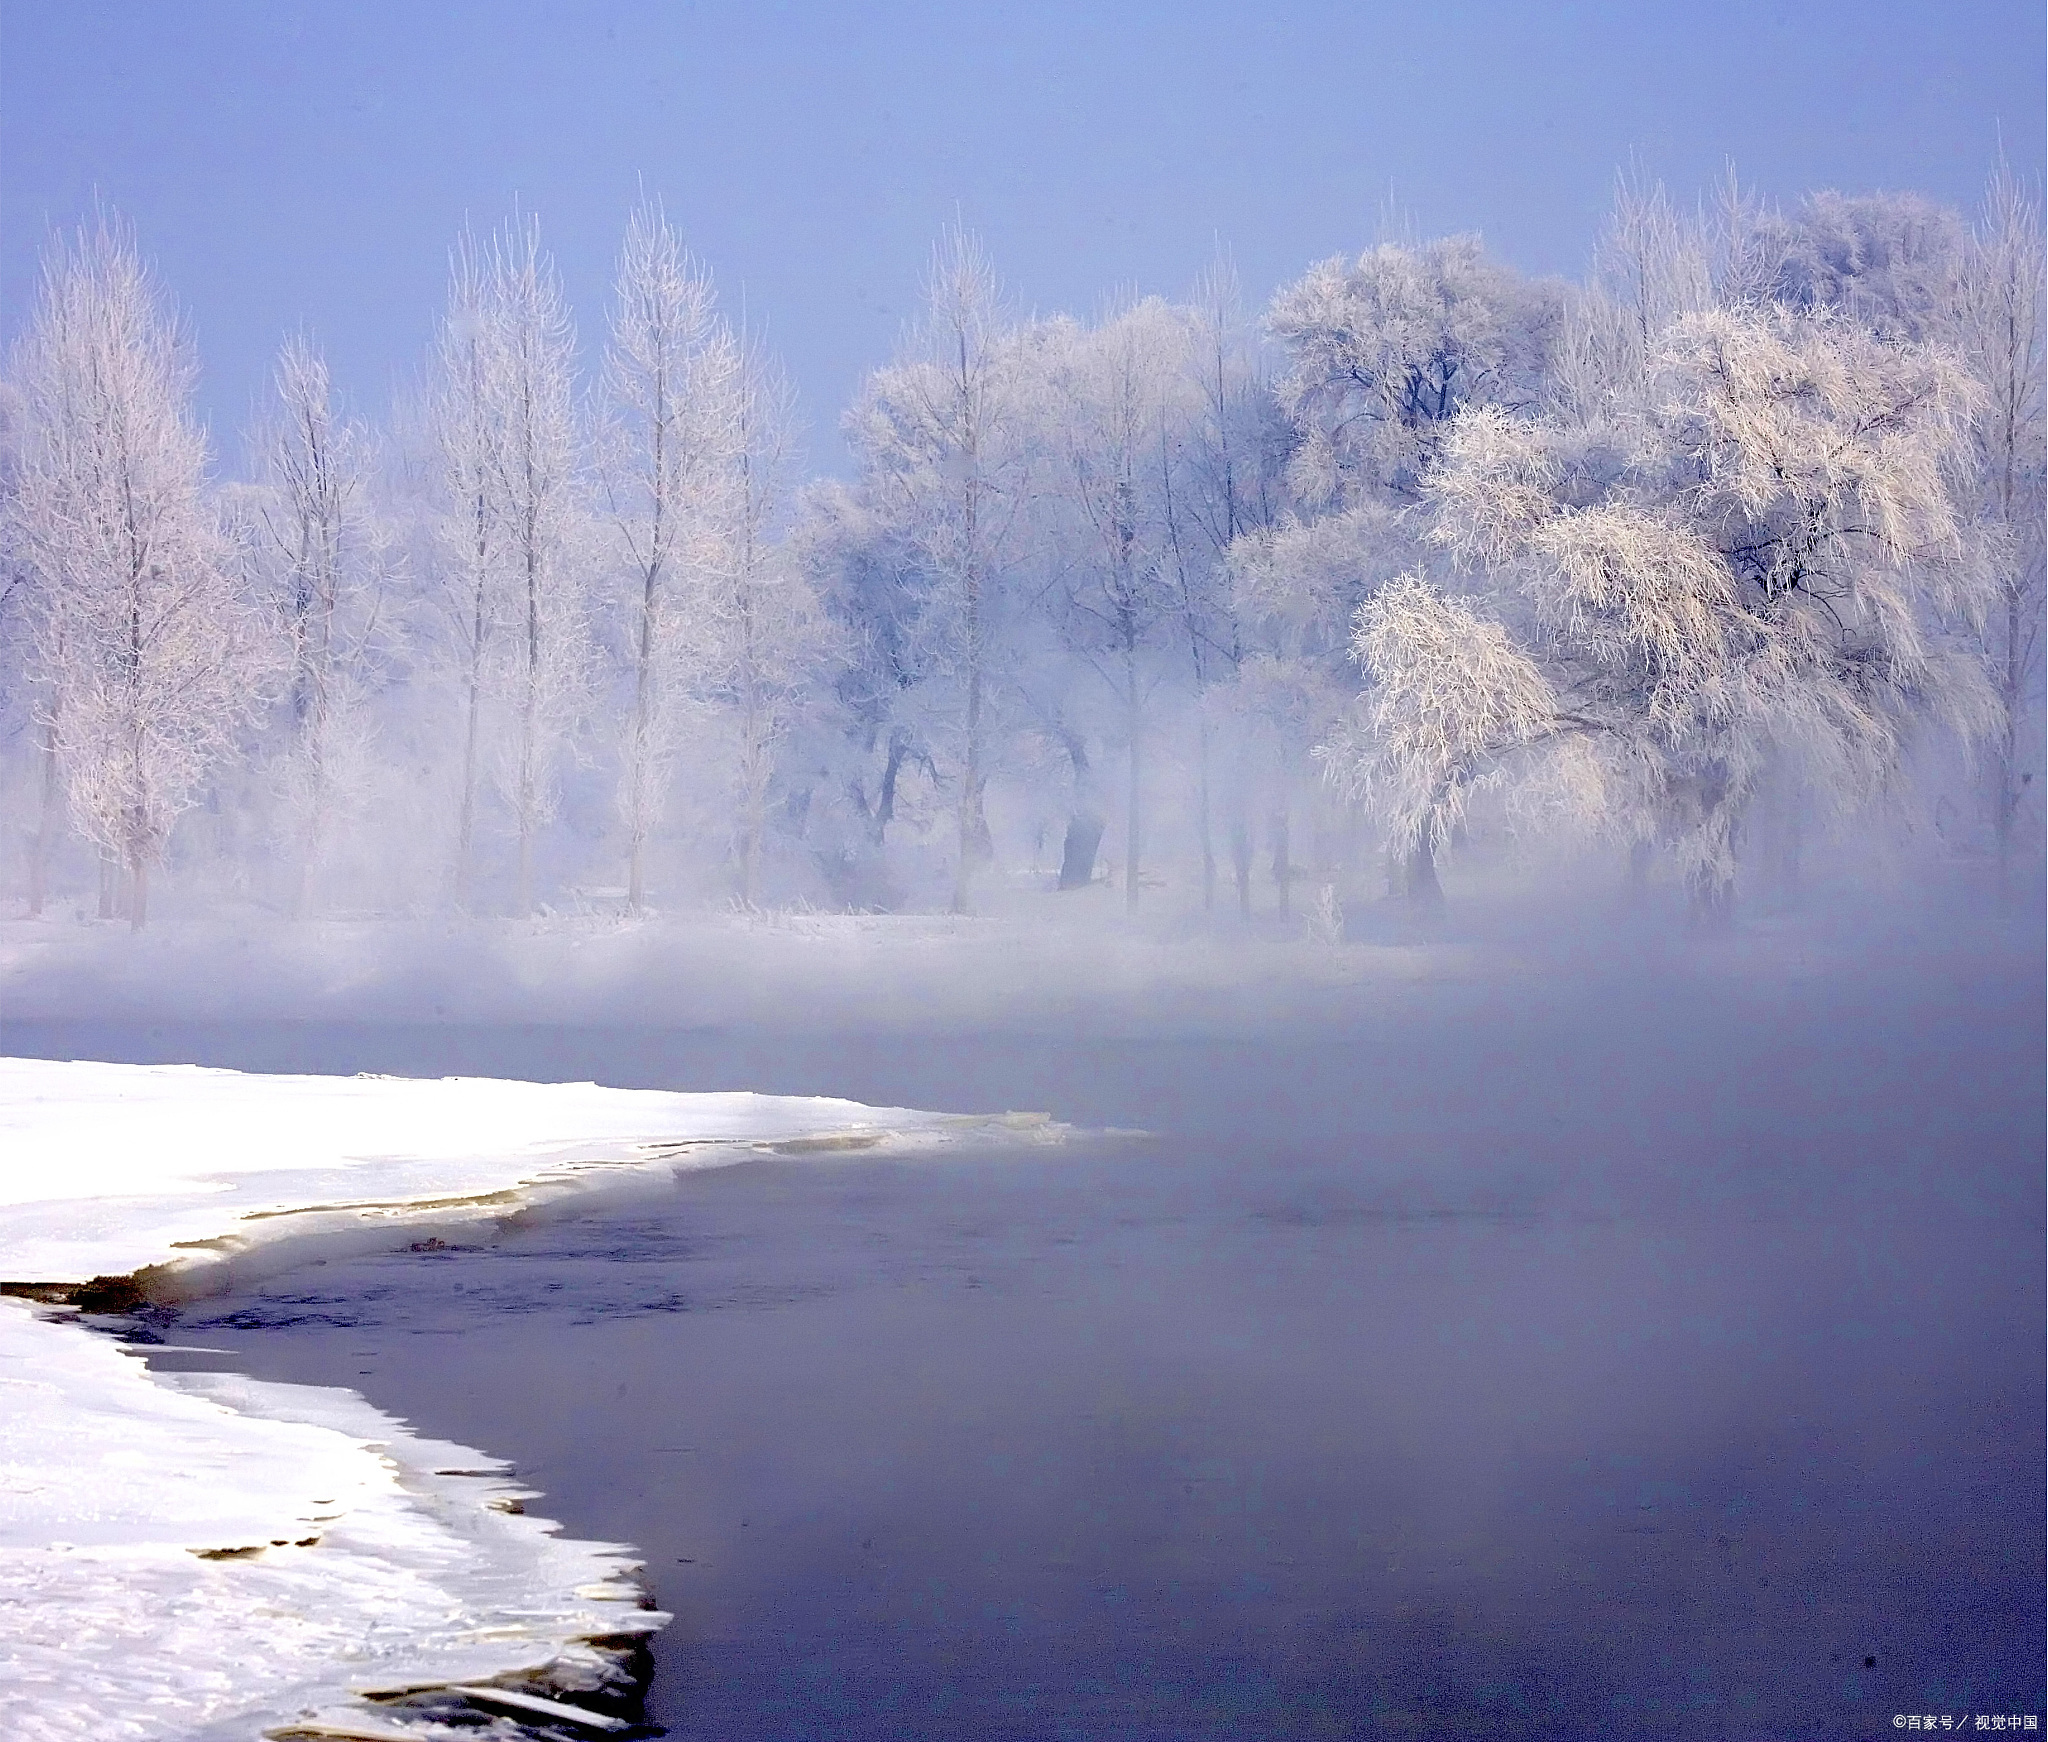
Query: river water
1570	1359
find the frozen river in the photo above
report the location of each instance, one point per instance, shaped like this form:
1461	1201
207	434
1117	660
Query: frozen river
1568	1360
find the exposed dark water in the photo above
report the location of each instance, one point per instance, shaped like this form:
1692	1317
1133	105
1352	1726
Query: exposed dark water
1566	1362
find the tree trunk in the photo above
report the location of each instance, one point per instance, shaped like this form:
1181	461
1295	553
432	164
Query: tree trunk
636	855
529	731
1425	889
466	828
1077	860
1241	864
973	823
636	804
753	825
884	812
46	825
2011	781
754	767
1202	811
525	898
309	847
316	704
1283	868
1132	817
977	845
2003	811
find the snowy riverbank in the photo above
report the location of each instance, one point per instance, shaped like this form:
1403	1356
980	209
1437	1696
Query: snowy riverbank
204	1556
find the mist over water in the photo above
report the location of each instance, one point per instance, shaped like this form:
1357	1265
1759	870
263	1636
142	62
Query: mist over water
1565	1353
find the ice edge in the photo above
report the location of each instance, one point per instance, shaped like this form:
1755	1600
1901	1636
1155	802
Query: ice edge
586	1673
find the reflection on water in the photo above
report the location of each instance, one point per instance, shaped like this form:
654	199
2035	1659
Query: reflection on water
1497	1369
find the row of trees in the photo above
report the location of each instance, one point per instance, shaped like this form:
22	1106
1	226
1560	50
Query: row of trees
1730	537
465	604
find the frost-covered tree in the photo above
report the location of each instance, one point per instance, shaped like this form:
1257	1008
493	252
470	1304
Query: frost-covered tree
2004	280
870	723
23	683
1225	486
765	634
937	437
1123	406
1384	351
149	657
471	535
1757	567
1296	590
1454	699
1888	261
1904	266
672	482
534	496
507	437
319	541
1652	265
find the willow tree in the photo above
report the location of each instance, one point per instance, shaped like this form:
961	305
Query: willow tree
1761	564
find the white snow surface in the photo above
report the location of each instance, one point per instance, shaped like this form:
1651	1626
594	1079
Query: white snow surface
107	1168
204	1556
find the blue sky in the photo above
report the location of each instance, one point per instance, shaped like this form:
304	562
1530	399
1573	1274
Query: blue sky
287	163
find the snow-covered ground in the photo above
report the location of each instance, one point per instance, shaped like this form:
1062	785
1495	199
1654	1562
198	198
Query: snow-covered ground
201	1177
202	1555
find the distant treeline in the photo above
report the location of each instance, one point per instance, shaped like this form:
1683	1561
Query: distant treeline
1739	537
